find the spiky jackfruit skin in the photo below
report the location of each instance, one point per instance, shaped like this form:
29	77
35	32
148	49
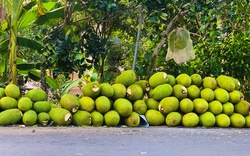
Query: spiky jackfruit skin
196	79
221	95
228	108
140	107
180	91
215	107
69	102
133	120
29	118
24	104
161	91
126	78
60	116
152	103
234	96
190	119
12	90
42	106
237	120
134	92
200	105
10	116
112	118
103	104
81	118
242	107
120	91
86	103
168	104
36	95
226	83
157	79
154	117
97	118
173	119
91	89
193	92
209	82
222	120
207	94
186	105
8	103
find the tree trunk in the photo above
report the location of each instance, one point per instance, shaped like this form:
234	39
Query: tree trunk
43	80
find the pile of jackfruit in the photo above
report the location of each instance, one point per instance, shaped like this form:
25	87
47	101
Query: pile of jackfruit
185	100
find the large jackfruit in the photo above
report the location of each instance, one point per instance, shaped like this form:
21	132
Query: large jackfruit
154	117
81	118
242	107
126	78
42	106
106	90
184	79
70	102
120	91
29	118
112	118
8	103
10	116
161	91
134	92
13	91
132	120
123	106
226	82
209	82
24	104
180	91
168	104
157	79
60	116
36	95
91	89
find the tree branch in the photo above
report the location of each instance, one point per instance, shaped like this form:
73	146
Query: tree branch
164	38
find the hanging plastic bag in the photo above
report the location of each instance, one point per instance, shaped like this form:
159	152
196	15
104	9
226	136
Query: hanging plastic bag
180	47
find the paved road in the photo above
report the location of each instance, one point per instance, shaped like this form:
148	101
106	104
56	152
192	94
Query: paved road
106	141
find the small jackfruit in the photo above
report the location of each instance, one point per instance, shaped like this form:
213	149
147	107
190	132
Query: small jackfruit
60	116
140	107
97	118
152	103
207	119
144	85
69	102
180	91
123	106
106	90
43	118
81	118
42	106
173	119
24	104
158	78
171	80
237	120
200	105
193	92
29	118
91	89
10	116
228	108
196	79
207	94
120	91
190	119
8	103
134	92
154	117
209	82
87	103
215	107
234	96
168	104
12	90
184	79
36	95
242	107
2	92
112	118
222	120
186	105
221	95
103	104
126	78
132	120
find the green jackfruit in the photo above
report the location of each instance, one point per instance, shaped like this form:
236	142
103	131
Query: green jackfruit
200	105
132	120
173	119
87	103
42	106
226	83
140	107
123	106
237	83
215	107
70	102
103	104
60	116
186	105
152	103
29	118
106	90
234	96
120	91
24	104
242	107
8	103
91	89
2	92
126	78
144	85
171	80
134	92
237	120
193	92
36	95
207	119
43	118
209	82
247	121
184	79
157	79
154	117
112	118
97	118
12	90
81	118
228	108
161	91
10	116
207	94
180	91
190	119
196	79
221	95
222	120
168	104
